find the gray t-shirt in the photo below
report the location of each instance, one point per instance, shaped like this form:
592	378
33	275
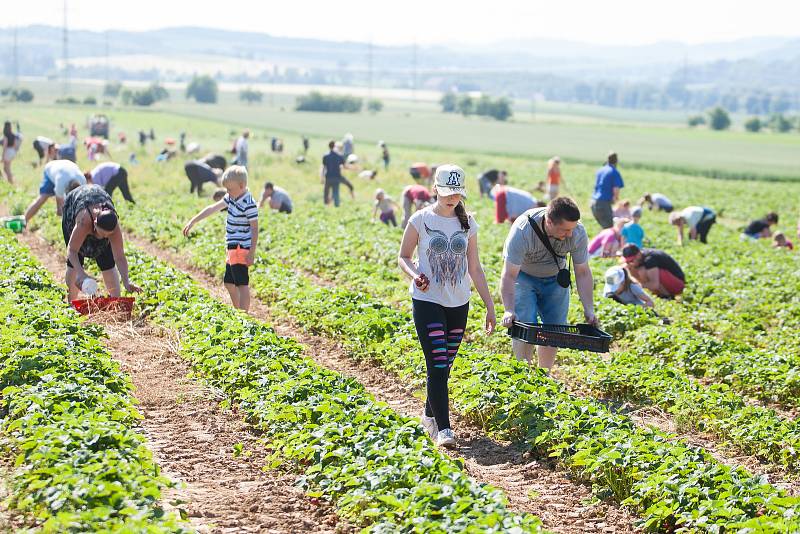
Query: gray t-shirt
523	247
280	196
633	295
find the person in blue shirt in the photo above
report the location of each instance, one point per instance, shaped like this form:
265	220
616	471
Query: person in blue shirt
632	232
606	191
331	174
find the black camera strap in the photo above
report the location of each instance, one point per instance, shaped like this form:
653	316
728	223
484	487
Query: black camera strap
544	239
546	242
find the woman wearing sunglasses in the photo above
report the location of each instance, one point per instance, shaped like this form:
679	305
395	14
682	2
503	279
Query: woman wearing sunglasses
91	230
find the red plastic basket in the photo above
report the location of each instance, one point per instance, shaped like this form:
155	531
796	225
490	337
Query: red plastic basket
120	305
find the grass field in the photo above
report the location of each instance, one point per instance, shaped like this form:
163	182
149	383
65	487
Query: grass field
579	134
713	375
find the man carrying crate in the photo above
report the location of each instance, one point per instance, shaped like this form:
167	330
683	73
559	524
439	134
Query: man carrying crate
535	281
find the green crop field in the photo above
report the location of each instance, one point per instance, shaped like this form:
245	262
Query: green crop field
686	426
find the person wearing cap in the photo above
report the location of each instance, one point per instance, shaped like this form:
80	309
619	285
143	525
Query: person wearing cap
385	205
553	177
59	178
45	148
632	232
510	203
199	172
529	284
655	270
276	198
488	179
331	175
622	288
656	201
91	230
608	183
698	219
445	238
415	197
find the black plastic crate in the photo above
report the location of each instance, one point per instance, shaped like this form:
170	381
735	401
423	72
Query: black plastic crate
563	336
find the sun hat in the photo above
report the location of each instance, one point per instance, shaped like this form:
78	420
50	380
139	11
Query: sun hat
449	180
615	277
636	212
629	251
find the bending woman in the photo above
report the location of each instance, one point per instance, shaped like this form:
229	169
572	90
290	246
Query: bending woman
446	240
91	230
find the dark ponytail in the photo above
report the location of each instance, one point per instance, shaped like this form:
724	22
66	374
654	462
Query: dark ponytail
461	213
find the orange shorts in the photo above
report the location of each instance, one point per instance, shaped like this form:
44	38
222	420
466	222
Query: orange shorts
237	256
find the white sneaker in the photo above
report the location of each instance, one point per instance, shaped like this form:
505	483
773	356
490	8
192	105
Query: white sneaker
429	424
446	438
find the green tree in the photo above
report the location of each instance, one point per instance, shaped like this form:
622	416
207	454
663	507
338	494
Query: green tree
158	92
466	106
449	102
90	101
501	109
250	95
753	124
696	120
112	89
718	119
203	89
374	105
779	123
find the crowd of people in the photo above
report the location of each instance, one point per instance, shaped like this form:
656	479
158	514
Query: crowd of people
546	243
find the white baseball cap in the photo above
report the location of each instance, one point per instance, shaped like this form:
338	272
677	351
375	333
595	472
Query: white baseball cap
449	180
615	277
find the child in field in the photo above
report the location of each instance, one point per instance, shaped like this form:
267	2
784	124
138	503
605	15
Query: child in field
779	241
623	209
386	206
622	288
608	241
632	232
241	233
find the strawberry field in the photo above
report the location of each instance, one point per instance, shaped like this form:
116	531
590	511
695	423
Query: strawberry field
688	425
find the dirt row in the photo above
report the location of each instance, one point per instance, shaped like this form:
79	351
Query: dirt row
193	439
533	486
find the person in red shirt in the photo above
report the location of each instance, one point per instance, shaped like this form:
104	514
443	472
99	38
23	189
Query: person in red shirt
415	197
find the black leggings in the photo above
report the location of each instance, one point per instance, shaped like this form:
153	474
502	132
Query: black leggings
440	330
120	180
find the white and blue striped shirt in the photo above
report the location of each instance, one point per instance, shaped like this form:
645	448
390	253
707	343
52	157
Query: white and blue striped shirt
241	211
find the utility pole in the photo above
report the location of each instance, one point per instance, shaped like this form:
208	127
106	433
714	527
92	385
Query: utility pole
15	65
369	67
66	53
414	72
107	58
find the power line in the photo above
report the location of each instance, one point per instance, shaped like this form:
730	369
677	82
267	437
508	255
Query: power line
66	52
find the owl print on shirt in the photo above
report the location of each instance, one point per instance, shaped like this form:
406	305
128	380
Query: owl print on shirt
447	256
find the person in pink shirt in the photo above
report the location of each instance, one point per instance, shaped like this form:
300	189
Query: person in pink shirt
609	241
415	197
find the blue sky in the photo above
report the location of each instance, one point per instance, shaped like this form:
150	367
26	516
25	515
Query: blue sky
611	22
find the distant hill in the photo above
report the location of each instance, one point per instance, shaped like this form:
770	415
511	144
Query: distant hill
630	76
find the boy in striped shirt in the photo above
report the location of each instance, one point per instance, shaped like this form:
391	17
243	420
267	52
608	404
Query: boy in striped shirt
241	233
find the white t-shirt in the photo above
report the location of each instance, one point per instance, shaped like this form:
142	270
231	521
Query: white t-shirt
241	150
442	251
692	215
61	172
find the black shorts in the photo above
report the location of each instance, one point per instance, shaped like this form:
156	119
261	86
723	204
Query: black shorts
39	148
237	274
284	208
105	260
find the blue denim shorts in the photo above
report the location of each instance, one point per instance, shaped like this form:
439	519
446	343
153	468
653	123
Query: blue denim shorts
540	300
47	187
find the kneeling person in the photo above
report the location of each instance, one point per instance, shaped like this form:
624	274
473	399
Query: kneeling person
276	198
655	270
